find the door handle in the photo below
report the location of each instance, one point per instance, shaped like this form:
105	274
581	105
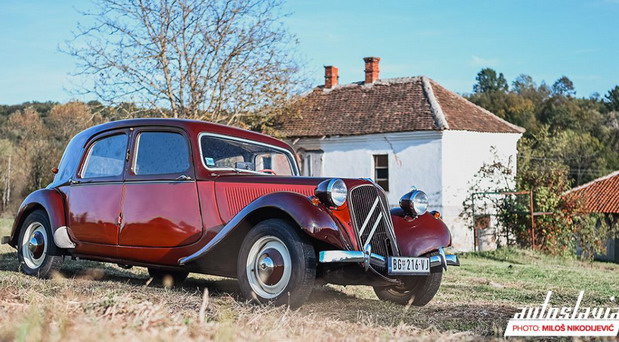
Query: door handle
183	177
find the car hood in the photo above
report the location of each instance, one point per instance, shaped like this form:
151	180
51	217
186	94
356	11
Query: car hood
236	191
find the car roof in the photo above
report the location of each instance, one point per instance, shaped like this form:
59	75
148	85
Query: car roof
190	126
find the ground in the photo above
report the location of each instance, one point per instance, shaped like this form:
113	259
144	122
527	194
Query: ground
91	301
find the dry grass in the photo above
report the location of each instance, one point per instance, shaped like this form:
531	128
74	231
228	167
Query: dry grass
92	301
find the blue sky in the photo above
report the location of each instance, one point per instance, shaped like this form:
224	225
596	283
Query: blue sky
449	41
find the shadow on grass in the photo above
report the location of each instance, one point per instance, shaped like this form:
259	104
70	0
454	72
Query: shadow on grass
510	255
486	320
99	271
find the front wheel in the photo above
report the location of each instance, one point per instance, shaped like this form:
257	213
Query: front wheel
276	264
417	291
37	253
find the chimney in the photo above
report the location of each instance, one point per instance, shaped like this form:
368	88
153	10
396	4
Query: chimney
371	69
331	76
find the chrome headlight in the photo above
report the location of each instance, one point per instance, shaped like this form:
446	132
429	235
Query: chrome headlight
414	202
332	192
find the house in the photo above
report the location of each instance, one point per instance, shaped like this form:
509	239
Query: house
601	196
401	132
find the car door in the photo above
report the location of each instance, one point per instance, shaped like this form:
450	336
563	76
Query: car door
94	196
161	206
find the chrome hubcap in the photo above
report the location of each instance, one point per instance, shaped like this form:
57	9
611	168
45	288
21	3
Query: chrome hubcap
268	267
34	245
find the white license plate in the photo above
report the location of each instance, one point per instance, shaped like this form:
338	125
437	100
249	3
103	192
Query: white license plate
409	265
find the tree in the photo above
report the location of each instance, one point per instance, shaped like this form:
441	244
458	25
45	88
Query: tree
488	81
523	85
6	171
612	99
563	87
219	60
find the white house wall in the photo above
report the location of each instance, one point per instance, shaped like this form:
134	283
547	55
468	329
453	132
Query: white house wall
464	153
414	160
440	163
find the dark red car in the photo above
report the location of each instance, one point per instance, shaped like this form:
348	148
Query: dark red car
180	196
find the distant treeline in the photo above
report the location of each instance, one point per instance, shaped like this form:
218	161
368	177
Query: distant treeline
581	133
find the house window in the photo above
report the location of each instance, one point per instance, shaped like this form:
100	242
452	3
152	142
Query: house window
381	170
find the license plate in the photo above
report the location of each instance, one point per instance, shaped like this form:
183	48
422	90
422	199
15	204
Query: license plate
409	265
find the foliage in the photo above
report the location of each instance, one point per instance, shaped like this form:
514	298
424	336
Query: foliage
587	128
612	99
35	143
564	230
488	81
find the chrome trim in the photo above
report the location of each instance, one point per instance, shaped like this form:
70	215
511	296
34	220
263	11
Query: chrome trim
291	160
129	182
371	235
382	198
366	257
367	218
62	239
444	259
330	191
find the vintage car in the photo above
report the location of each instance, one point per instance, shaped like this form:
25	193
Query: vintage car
180	196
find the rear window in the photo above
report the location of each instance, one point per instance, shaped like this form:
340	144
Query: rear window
106	157
244	156
161	153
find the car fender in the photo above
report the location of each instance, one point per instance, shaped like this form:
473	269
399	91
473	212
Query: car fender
313	219
50	200
419	235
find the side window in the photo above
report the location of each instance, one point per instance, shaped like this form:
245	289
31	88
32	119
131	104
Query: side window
106	157
245	156
381	170
161	153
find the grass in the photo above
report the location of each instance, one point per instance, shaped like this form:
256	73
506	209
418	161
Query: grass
92	301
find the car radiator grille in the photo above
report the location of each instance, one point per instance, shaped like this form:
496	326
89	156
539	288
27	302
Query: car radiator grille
368	205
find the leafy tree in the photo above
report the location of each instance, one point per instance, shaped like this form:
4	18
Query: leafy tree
563	87
612	99
524	84
488	81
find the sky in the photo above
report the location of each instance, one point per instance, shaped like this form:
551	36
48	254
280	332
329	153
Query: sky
448	41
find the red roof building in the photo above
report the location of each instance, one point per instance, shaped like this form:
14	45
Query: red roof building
401	132
598	196
403	104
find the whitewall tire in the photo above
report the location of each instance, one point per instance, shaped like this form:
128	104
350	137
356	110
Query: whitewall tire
38	255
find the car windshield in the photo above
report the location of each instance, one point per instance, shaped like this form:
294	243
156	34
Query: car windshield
244	156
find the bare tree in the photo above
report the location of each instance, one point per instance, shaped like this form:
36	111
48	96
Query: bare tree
217	60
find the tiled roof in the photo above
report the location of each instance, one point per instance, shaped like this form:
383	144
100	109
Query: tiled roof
598	196
390	105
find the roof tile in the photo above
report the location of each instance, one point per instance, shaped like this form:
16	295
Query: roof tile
598	196
390	105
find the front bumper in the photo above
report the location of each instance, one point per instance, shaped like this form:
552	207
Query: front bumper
367	258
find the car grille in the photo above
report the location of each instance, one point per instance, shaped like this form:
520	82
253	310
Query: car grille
368	204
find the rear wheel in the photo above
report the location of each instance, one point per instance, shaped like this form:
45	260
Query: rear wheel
276	264
417	291
37	253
